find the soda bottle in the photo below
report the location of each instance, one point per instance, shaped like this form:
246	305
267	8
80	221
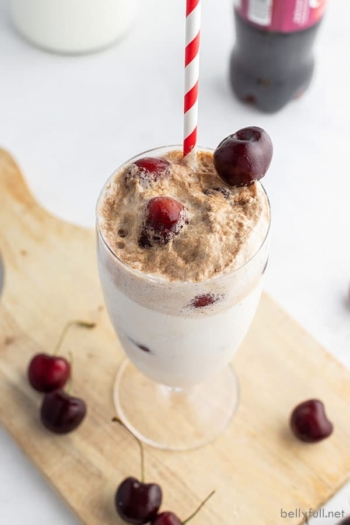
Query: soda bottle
272	61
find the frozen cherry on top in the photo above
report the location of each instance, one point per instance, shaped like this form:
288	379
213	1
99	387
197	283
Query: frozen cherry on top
164	214
153	165
165	217
244	157
148	169
309	422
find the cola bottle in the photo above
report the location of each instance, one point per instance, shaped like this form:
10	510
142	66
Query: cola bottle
272	61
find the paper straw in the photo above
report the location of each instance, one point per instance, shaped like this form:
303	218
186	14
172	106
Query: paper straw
193	24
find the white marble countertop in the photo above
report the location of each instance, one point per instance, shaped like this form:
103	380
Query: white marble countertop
70	121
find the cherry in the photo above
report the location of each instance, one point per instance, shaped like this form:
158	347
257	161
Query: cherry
149	169
152	165
164	219
309	422
169	518
61	413
49	372
200	301
138	502
244	157
144	348
214	191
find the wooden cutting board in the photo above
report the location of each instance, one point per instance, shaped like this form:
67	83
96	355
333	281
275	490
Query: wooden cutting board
256	467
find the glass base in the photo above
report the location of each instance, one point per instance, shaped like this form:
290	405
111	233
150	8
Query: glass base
172	419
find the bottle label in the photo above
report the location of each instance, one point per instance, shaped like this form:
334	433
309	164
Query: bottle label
284	16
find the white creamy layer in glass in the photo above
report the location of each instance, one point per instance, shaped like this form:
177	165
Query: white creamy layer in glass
164	334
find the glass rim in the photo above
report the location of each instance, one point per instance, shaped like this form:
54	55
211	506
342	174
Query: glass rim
153	277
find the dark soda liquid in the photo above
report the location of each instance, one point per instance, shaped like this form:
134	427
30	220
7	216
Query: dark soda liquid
267	68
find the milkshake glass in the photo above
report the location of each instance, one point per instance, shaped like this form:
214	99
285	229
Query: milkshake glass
177	389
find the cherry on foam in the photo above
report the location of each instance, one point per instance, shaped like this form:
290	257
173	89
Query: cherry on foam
243	157
155	166
150	169
165	217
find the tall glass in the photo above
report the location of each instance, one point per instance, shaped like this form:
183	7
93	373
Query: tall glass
177	389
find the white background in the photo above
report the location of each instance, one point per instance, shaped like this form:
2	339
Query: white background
70	121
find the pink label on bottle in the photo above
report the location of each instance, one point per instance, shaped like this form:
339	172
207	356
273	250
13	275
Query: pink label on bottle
281	15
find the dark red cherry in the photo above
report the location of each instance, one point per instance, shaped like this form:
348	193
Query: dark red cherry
164	214
148	169
48	372
61	413
200	301
243	157
164	219
137	502
155	165
167	518
309	422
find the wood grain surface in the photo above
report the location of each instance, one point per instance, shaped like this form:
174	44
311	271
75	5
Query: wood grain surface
256	467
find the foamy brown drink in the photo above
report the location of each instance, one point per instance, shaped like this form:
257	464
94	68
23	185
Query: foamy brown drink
181	297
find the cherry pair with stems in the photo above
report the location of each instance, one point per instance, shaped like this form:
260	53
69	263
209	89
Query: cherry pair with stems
60	412
136	502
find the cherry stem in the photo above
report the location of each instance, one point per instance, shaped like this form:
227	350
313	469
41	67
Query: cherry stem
83	324
142	453
199	508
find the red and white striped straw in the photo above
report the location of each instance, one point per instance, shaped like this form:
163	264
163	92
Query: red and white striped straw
193	25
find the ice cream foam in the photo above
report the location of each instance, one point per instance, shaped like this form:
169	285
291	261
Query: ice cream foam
225	226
